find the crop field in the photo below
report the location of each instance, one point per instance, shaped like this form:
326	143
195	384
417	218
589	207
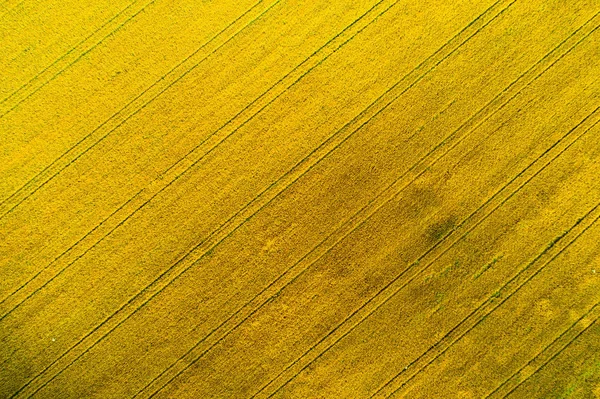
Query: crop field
300	199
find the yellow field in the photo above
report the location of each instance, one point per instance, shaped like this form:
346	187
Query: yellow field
300	199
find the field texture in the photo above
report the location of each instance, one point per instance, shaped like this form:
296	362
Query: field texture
300	199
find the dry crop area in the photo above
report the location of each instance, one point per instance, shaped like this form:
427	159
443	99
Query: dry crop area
300	199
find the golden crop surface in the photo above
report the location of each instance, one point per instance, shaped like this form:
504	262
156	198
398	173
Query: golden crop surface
300	199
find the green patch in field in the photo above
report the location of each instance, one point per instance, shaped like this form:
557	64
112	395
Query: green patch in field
487	266
583	384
